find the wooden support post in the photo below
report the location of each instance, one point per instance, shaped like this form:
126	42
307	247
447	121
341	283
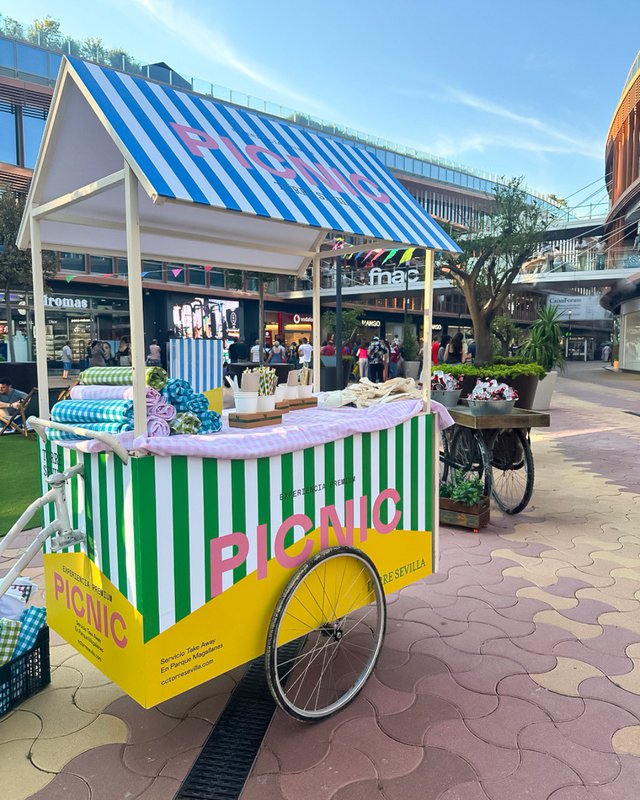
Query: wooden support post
38	315
134	261
316	323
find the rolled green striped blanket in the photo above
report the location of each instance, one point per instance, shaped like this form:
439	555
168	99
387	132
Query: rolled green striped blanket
155	377
186	422
80	411
106	427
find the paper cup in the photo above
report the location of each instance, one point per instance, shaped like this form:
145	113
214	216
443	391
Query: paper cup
267	402
291	392
246	402
305	391
281	392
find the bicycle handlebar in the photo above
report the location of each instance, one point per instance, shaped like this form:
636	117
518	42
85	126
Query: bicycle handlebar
106	438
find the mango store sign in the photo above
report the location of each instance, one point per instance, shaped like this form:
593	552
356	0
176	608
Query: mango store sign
378	277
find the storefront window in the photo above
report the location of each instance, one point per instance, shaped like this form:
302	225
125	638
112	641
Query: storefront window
102	265
33	122
8	134
176	273
72	262
631	341
153	270
197	276
31	59
123	266
216	278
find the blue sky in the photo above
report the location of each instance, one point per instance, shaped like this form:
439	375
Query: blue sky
514	88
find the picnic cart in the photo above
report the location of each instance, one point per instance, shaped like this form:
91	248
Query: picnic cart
495	447
170	560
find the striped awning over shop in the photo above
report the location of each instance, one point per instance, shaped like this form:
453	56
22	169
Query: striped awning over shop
191	148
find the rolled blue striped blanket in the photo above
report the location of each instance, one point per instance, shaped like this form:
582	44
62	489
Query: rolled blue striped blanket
82	411
106	427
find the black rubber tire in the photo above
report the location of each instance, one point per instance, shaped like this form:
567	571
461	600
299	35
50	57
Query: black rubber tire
511	447
271	649
469	453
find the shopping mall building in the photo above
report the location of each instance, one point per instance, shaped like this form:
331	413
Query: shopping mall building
623	221
88	297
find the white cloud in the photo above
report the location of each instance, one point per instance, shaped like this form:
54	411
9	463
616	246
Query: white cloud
551	140
212	45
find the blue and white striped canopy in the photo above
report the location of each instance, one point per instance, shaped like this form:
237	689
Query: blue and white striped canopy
191	148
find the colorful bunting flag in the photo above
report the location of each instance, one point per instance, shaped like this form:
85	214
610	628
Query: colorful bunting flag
208	268
389	255
176	272
406	256
69	278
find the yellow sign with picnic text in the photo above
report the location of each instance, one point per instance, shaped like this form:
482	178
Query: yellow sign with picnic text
87	610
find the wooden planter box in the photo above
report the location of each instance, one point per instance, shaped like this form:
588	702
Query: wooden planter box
475	517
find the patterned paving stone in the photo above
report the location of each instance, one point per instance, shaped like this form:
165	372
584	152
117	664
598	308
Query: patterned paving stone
488	760
608	663
148	758
437	773
391	757
107	777
627	740
52	753
343	766
596	727
410	726
592	766
64	787
557	706
485	677
536	778
508	648
407	676
503	725
470	704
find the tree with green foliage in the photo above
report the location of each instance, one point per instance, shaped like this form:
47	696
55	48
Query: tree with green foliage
504	331
350	323
15	265
46	32
409	343
11	27
493	255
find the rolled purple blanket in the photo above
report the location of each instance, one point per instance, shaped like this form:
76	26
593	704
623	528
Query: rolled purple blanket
164	410
158	427
152	396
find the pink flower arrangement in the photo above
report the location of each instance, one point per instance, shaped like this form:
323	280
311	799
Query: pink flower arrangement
444	382
490	389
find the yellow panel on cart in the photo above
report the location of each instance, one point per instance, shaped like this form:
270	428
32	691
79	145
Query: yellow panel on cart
186	557
87	610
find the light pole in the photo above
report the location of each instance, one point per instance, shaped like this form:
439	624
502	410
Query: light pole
566	348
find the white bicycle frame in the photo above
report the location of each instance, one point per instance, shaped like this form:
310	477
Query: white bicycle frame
60	529
63	535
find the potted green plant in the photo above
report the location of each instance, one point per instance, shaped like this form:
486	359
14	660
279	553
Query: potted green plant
462	502
410	352
523	377
546	347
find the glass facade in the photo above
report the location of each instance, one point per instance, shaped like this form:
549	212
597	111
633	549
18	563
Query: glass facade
631	341
102	265
33	122
8	134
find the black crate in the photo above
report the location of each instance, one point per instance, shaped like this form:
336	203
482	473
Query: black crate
25	675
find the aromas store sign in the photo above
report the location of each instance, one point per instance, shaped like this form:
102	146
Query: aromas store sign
66	302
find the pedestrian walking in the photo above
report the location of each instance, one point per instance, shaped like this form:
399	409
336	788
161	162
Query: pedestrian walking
66	356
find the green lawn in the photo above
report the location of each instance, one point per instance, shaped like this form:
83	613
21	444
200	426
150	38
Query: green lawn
19	479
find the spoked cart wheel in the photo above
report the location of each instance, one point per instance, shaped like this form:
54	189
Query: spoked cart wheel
512	470
470	456
334	612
